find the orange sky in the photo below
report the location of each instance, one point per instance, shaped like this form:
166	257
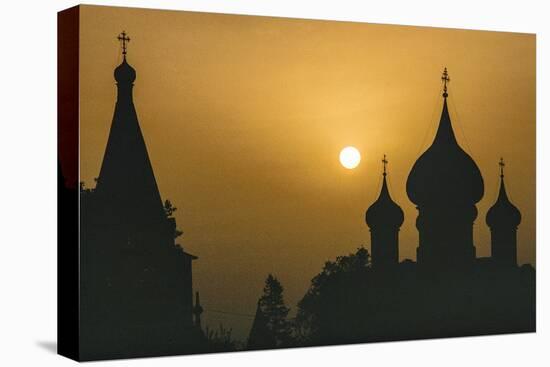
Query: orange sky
244	118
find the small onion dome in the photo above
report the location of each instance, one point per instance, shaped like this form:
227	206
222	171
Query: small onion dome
503	213
445	173
124	73
384	212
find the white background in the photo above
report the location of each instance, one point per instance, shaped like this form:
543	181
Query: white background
28	182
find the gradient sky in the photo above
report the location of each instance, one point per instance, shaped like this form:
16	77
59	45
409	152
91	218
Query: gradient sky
244	118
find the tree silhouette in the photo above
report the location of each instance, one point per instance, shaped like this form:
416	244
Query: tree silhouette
220	340
260	336
274	314
349	301
334	298
169	210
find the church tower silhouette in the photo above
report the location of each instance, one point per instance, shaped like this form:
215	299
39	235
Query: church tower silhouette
126	180
384	218
503	219
136	281
445	184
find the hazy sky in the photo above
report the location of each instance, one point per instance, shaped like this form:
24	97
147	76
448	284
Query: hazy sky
244	118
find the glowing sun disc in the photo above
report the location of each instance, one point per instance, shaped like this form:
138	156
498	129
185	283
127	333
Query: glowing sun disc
350	157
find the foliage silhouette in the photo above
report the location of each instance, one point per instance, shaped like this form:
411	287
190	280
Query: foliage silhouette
321	306
220	340
169	210
350	302
271	328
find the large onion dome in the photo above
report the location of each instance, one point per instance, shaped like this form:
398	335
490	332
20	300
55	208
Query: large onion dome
445	173
384	212
503	213
124	73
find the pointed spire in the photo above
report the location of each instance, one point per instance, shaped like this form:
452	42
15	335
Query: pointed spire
126	179
384	192
445	133
502	190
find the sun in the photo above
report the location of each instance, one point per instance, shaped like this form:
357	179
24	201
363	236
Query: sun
350	157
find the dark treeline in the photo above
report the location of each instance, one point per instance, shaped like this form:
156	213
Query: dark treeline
350	302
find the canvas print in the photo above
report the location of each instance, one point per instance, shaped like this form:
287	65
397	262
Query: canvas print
234	183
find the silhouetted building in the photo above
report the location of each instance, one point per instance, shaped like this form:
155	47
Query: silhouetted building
67	252
445	184
137	282
384	218
448	291
503	218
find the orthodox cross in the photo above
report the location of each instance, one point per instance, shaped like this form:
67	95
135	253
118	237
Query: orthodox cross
501	164
124	39
446	79
384	162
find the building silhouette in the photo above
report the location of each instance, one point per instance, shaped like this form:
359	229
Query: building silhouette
503	219
384	218
448	291
136	281
445	184
68	301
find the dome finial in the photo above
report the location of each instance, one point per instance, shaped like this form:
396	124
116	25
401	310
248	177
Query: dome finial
124	73
384	211
503	211
124	40
446	79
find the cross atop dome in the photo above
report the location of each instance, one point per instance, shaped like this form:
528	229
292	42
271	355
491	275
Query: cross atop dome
126	177
124	40
445	179
384	218
503	218
125	75
501	164
384	162
446	79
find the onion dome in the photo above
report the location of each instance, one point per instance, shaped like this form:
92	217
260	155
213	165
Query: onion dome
445	173
503	213
384	212
124	73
